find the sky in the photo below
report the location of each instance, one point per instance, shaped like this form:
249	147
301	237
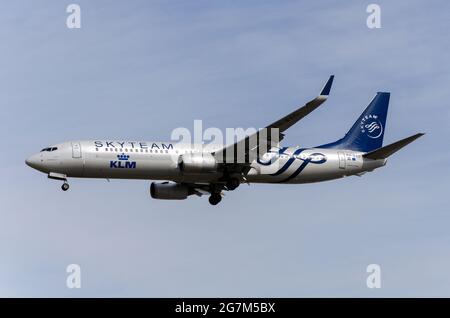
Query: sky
138	69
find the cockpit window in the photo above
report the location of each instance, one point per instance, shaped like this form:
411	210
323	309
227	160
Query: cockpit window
49	149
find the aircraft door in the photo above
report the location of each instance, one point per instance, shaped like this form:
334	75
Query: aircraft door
341	160
76	150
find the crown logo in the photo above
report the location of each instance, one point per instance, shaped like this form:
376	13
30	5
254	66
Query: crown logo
123	157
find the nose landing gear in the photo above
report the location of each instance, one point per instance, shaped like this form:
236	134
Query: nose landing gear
65	186
61	177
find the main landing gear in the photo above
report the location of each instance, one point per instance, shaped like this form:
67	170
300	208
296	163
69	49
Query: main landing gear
232	183
215	198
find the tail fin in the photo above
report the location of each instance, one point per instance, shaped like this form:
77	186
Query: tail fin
384	152
367	132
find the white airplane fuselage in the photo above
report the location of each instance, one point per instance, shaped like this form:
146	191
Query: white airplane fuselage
161	161
212	169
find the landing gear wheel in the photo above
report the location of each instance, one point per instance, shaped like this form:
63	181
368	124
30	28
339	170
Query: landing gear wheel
214	199
65	187
232	184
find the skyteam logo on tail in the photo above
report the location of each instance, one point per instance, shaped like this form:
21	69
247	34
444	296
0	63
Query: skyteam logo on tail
371	126
122	162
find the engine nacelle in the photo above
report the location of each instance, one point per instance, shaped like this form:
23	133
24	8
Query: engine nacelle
169	191
197	163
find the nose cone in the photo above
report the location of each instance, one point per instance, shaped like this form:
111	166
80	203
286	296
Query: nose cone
34	162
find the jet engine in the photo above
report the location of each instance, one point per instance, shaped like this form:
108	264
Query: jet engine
169	191
197	163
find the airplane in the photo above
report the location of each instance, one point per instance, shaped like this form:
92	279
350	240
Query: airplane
187	169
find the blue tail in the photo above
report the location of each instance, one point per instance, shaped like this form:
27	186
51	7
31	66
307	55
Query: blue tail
367	132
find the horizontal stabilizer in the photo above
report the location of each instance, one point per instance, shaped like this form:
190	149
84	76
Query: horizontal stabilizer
384	152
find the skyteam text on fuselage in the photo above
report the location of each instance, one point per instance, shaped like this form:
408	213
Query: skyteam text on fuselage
211	169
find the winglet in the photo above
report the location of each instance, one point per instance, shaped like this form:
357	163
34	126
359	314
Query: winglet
386	151
326	89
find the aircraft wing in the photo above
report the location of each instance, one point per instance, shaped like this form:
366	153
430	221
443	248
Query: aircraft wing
289	120
248	149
